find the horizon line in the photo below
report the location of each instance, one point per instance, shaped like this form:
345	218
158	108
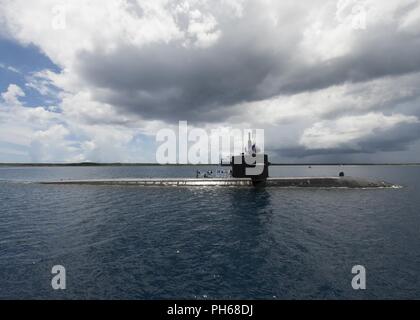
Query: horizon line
88	163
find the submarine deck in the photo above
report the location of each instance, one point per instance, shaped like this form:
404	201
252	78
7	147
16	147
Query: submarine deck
289	182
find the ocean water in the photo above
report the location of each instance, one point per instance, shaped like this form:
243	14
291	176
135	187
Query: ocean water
207	242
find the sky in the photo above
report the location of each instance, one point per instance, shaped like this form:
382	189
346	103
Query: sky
94	80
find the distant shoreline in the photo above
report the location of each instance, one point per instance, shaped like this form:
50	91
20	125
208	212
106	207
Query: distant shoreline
92	164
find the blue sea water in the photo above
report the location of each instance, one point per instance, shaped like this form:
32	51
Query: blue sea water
207	242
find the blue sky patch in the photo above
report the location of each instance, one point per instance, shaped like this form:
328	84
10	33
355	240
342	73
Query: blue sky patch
18	62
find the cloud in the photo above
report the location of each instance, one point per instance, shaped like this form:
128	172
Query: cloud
44	134
253	59
9	68
317	76
352	132
155	57
11	96
50	145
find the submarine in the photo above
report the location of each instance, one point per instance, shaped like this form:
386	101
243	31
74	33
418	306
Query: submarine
250	169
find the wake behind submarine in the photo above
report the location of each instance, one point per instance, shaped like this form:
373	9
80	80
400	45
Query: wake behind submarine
248	169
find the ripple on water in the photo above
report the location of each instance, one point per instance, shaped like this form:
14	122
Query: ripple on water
150	243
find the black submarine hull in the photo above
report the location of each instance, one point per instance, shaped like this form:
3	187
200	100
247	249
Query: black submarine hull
291	182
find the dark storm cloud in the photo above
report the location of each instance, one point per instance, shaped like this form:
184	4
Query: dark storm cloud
181	83
395	139
254	59
251	61
380	52
170	81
